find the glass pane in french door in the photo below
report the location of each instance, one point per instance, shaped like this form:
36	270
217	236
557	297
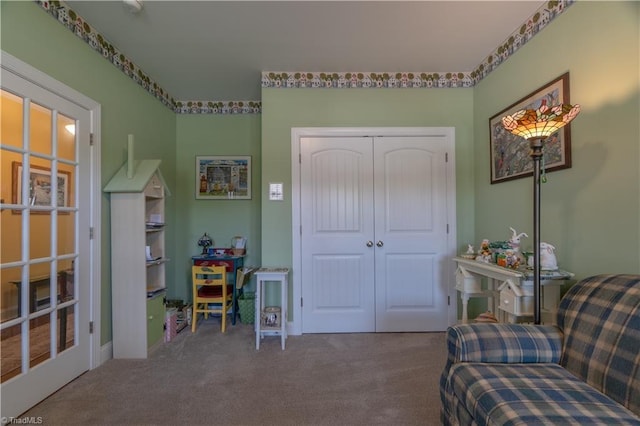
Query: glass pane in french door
40	123
39	241
10	337
12	120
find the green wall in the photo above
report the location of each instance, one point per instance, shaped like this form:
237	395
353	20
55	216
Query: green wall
34	37
283	109
221	219
590	212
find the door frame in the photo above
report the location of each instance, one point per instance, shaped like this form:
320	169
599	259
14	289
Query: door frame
295	326
25	71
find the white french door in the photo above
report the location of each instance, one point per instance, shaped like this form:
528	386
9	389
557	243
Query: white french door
375	243
45	258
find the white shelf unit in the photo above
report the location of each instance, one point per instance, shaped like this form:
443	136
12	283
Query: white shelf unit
138	259
264	276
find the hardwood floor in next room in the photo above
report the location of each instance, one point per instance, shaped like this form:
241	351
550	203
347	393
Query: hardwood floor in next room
40	343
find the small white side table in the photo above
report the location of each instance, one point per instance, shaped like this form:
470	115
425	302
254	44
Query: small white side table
264	275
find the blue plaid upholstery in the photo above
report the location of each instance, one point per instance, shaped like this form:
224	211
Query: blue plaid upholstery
601	323
525	394
585	371
511	343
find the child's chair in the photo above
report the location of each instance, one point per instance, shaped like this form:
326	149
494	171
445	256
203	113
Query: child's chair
210	288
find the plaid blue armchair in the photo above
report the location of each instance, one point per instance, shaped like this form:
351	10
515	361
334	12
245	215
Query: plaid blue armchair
585	370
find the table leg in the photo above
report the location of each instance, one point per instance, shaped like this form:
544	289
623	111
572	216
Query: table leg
284	300
63	330
63	276
234	305
491	300
465	302
258	309
550	300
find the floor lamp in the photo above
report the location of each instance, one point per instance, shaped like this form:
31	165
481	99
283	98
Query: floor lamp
536	125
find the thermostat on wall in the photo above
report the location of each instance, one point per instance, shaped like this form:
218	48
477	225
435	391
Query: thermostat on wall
275	192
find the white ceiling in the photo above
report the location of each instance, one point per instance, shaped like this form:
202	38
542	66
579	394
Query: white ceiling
216	50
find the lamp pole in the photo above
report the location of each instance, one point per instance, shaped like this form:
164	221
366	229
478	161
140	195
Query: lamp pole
536	144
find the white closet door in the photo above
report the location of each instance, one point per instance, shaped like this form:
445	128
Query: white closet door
337	235
374	241
410	233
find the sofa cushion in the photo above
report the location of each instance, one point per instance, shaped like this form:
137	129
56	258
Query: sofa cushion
510	343
600	319
525	394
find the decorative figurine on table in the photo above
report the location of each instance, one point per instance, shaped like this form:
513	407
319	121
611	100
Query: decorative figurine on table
514	242
484	254
205	242
512	259
498	249
470	254
548	261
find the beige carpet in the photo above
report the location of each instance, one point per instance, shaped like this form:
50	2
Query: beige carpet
208	378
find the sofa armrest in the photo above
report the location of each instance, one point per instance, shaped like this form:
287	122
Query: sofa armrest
504	343
496	343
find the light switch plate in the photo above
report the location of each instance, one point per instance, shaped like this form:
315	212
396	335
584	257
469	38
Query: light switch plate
275	192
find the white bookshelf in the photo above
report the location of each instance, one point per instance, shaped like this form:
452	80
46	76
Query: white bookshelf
138	259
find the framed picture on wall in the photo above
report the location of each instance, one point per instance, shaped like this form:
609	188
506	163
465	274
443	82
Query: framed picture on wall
40	186
510	153
223	177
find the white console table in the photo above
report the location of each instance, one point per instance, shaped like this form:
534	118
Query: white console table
509	292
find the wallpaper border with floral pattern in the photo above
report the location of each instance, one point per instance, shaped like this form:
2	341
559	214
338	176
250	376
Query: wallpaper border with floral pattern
295	79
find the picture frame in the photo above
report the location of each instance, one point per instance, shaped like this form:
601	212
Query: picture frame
40	192
509	154
223	177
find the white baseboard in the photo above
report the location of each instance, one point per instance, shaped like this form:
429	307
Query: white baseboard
106	352
292	329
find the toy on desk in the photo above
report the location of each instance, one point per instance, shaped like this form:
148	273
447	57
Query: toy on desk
548	259
238	245
484	254
205	242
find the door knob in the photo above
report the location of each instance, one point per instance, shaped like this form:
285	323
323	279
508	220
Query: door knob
369	243
379	243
